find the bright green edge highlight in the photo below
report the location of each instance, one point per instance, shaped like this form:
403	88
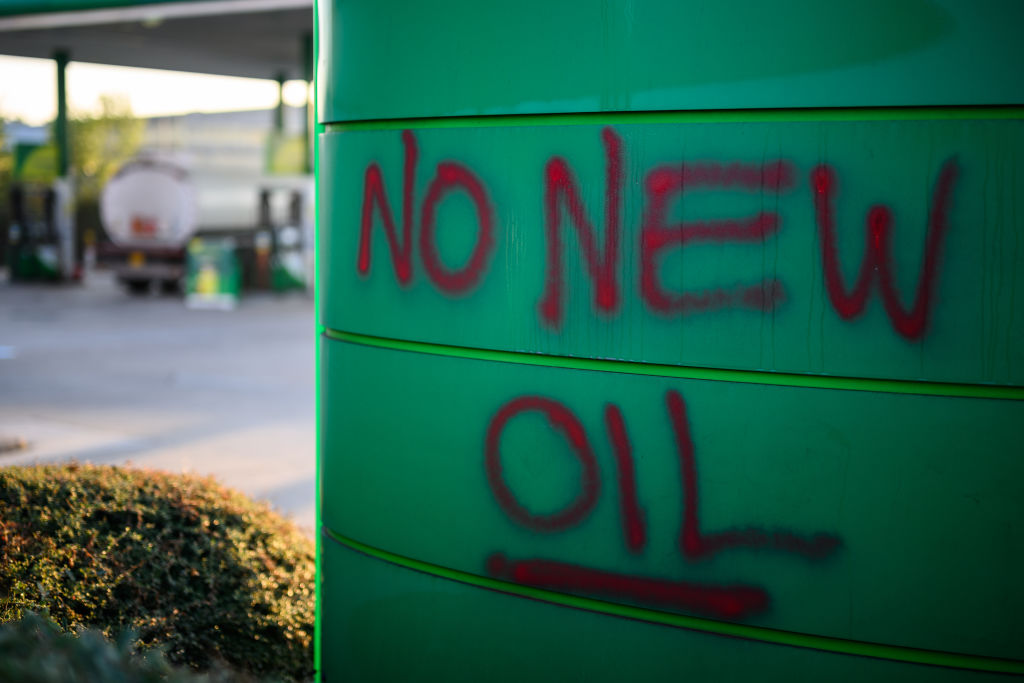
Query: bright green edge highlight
317	130
758	633
704	116
891	386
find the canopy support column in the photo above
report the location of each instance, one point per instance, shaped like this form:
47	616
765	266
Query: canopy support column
279	112
307	130
61	124
63	188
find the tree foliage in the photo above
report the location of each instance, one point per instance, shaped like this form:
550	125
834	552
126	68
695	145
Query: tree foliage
101	143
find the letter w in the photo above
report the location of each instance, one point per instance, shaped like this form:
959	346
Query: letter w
912	323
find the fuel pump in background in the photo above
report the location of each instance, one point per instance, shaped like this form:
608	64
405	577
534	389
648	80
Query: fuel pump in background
64	225
288	271
281	242
41	234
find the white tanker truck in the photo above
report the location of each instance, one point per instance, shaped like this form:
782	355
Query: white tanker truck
155	204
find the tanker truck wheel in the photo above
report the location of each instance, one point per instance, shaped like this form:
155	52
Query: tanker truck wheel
170	287
136	287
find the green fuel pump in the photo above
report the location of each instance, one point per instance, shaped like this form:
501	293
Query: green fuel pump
40	240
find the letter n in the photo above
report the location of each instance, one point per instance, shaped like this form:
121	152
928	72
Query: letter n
374	194
560	188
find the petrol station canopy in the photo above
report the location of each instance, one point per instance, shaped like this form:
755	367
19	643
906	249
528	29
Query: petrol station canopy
252	38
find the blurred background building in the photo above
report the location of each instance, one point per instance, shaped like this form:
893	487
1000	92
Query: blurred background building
118	179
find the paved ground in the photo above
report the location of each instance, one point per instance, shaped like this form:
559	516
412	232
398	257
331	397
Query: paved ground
92	374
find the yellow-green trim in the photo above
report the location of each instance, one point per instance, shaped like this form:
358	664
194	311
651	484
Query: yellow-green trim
811	115
319	332
891	386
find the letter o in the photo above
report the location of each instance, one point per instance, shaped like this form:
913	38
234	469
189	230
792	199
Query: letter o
562	419
450	175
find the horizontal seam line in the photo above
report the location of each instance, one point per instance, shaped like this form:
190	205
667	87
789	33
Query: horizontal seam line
809	114
755	633
890	386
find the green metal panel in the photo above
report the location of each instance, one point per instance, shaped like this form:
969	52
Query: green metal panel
874	517
401	625
462	57
775	426
756	301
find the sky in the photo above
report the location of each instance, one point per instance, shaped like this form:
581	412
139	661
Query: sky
28	90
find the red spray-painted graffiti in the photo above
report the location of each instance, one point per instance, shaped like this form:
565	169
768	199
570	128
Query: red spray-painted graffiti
729	601
375	194
696	544
559	182
632	514
450	175
877	258
661	185
733	601
562	419
602	256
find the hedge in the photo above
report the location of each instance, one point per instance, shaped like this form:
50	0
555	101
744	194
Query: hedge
181	561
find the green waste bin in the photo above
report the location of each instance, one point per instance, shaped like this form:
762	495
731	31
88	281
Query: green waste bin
671	340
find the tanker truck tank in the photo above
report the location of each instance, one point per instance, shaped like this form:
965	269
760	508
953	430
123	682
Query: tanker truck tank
155	204
149	210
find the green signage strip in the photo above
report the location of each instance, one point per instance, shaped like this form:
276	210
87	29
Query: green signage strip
674	314
876	517
878	249
466	58
709	626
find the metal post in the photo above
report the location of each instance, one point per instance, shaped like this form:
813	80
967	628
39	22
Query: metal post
63	191
279	113
307	76
61	124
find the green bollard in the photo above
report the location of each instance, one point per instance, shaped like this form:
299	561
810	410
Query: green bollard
671	340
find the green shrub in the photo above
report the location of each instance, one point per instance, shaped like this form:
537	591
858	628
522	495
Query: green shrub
181	561
34	650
